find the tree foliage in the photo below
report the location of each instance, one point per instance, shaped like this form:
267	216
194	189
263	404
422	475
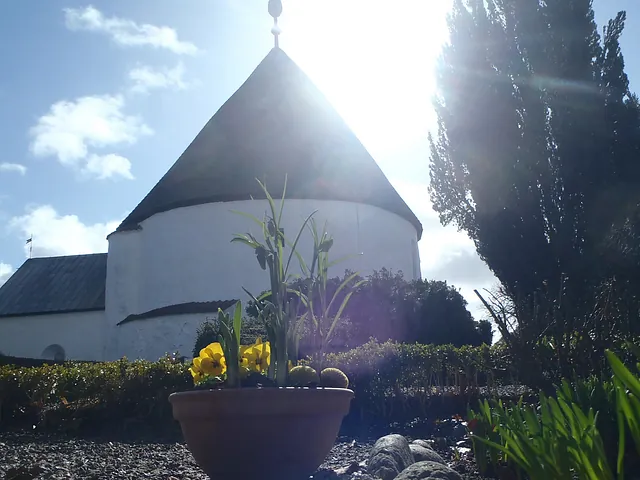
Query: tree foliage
388	307
537	157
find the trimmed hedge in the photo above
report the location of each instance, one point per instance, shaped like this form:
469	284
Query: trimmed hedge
393	382
91	397
31	362
398	382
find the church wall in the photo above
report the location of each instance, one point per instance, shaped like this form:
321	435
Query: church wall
79	335
122	287
187	254
152	338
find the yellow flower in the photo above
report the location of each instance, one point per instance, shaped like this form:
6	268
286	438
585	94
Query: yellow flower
197	375
214	366
258	356
211	350
243	359
211	360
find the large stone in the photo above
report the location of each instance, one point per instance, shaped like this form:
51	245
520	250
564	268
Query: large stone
424	443
428	471
422	454
389	456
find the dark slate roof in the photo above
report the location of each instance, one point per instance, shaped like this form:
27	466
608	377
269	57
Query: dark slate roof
278	122
55	285
180	309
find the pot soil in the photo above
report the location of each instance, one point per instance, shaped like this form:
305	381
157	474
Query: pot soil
261	433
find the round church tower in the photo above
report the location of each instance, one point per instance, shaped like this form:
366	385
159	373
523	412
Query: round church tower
171	262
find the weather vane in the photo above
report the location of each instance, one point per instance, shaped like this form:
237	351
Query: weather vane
275	10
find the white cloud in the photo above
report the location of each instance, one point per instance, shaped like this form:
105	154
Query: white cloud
108	166
71	128
56	234
147	78
126	32
5	272
13	167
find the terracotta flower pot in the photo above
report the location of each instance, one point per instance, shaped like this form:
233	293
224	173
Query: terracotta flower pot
261	433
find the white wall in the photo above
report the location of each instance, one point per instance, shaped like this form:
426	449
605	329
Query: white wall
186	254
122	287
152	338
79	334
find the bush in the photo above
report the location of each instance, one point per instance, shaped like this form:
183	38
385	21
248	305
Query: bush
392	382
31	362
91	397
388	307
398	382
209	332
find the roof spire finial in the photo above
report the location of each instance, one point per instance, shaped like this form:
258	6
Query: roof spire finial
275	10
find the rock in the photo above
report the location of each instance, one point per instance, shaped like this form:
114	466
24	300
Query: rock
424	443
428	471
352	468
422	454
340	475
389	456
361	476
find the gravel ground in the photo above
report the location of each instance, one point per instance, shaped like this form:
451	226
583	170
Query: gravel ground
57	458
39	456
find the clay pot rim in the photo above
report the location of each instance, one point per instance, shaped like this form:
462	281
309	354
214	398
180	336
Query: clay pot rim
254	390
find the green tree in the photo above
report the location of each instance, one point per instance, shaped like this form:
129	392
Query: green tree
208	332
537	155
388	307
440	316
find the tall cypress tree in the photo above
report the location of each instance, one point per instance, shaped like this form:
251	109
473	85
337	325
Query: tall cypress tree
537	155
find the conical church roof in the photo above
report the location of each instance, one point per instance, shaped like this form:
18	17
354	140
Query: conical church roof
278	122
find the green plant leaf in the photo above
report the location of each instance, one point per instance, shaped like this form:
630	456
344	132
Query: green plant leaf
294	246
237	322
623	373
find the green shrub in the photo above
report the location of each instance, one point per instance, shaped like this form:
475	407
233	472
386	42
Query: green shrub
399	382
30	362
388	307
209	332
392	382
89	396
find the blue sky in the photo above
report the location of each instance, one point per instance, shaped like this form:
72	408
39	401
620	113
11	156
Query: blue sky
99	99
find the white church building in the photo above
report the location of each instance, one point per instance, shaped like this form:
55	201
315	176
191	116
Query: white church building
171	264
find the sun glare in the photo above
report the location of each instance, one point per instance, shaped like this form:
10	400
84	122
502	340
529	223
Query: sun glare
374	60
